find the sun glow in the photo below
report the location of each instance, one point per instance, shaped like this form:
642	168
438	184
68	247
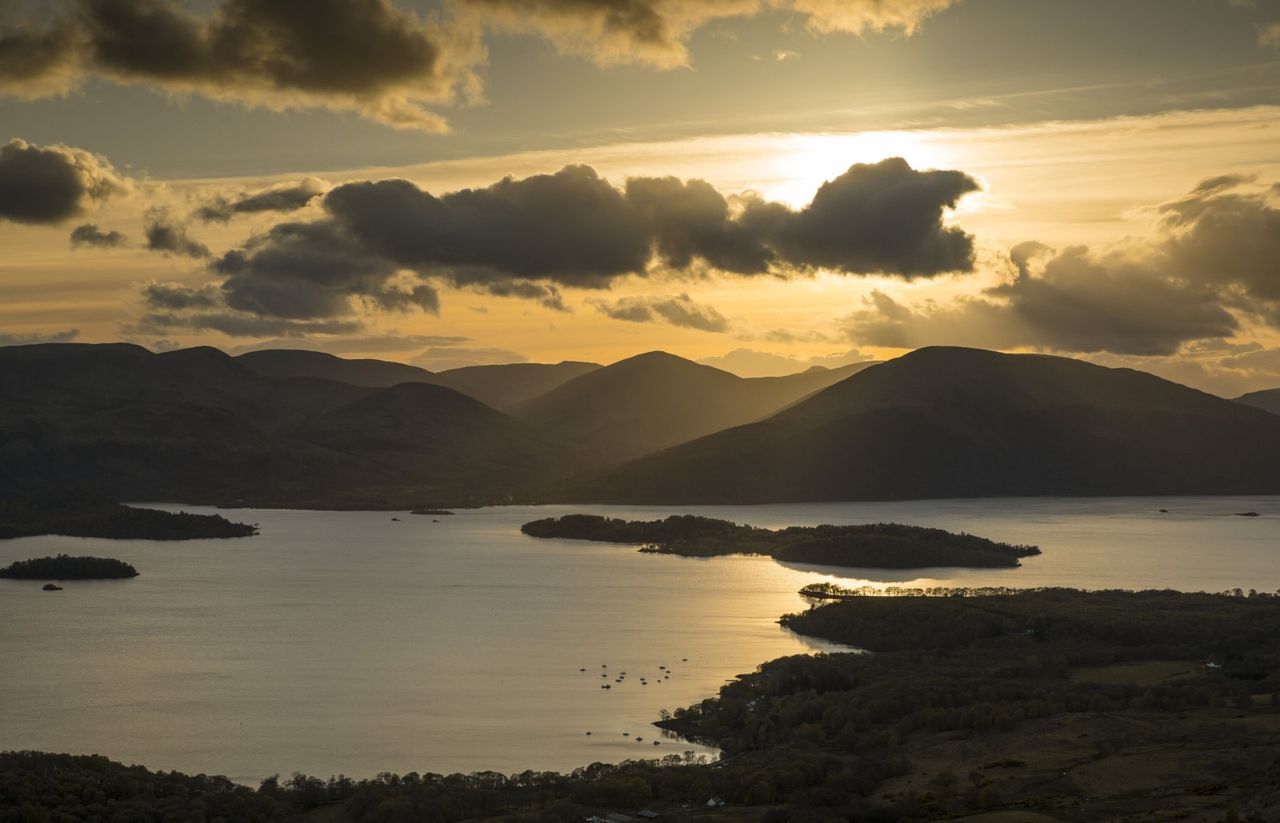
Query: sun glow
804	162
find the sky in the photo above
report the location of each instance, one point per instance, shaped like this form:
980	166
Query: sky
762	185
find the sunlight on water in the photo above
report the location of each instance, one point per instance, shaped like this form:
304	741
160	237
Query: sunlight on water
346	642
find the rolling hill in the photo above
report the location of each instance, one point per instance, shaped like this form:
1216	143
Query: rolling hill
503	387
656	400
199	426
1267	400
949	422
377	374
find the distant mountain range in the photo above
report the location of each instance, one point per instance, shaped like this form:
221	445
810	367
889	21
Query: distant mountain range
1268	400
951	422
656	400
502	387
297	428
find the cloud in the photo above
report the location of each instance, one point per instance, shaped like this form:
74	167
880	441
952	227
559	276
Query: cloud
176	297
1076	303
369	56
90	235
235	324
529	237
276	199
680	310
1213	262
8	339
747	362
443	358
356	55
657	32
47	185
167	236
1226	234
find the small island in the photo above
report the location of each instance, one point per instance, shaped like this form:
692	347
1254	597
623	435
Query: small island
874	545
72	515
435	512
66	567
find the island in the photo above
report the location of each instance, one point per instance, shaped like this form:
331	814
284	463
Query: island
436	512
66	567
874	545
72	515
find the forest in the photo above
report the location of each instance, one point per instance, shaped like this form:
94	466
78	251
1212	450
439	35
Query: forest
874	545
85	515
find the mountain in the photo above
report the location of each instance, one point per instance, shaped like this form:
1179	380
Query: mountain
196	425
502	387
949	422
510	386
300	363
656	400
1267	400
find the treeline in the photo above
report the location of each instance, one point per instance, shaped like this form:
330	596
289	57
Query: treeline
77	515
876	545
812	738
67	567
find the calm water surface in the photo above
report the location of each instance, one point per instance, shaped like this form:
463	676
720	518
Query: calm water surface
346	642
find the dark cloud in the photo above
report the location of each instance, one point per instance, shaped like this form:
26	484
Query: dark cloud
883	217
168	236
369	56
175	297
529	237
90	235
280	198
656	32
361	55
46	185
34	61
7	339
680	310
1226	237
547	296
1075	303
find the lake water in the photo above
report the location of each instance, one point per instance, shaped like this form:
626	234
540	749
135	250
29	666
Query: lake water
346	642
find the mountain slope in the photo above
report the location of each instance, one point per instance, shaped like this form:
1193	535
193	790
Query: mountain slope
656	400
1267	400
510	386
300	363
198	426
946	422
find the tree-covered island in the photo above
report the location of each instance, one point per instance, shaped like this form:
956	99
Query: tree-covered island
66	567
874	545
75	515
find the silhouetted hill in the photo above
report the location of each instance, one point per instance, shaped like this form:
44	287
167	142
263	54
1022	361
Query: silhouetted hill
656	400
948	422
507	387
503	387
375	374
441	436
1267	400
199	426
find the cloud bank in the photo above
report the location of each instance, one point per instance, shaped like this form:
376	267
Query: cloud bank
1214	262
370	56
